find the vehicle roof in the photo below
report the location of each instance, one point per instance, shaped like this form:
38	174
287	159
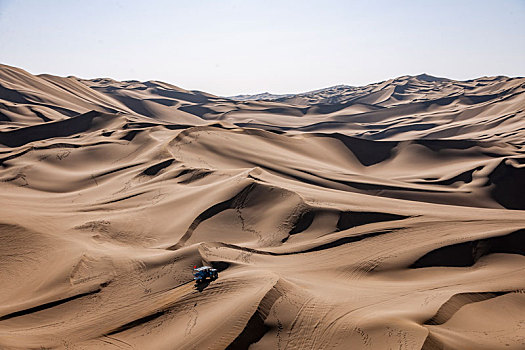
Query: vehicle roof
202	268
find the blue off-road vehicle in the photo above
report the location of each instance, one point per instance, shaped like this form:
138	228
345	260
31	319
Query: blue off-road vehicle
204	273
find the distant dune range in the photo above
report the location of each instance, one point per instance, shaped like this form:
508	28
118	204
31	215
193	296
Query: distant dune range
388	216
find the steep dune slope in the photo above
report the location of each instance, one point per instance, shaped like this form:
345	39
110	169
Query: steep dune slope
387	216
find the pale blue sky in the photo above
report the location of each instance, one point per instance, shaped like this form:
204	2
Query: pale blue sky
231	46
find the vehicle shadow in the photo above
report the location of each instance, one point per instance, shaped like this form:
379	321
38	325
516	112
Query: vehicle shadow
202	285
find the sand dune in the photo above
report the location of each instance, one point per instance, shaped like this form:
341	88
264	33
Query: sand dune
389	216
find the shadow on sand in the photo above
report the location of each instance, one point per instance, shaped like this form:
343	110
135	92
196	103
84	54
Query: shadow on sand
202	285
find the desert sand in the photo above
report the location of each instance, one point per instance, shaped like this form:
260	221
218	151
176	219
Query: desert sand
388	216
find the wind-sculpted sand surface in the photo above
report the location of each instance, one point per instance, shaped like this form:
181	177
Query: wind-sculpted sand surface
389	216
